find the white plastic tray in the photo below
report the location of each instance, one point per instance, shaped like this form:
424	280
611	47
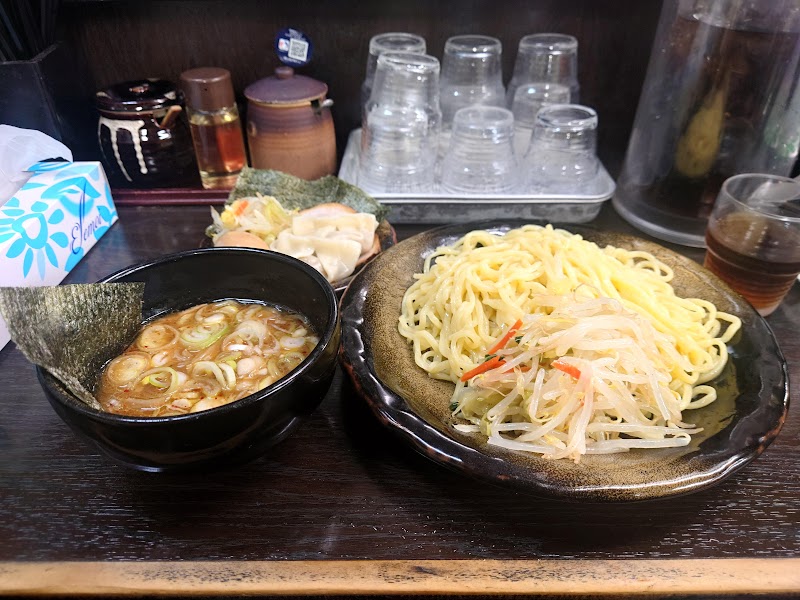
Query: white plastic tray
438	207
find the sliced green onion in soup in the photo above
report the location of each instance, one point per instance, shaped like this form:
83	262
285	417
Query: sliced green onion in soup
161	380
251	331
291	342
288	362
127	367
229	358
223	373
203	335
156	336
230	307
204	357
164	379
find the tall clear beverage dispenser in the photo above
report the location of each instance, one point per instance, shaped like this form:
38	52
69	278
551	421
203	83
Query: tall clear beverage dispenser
721	97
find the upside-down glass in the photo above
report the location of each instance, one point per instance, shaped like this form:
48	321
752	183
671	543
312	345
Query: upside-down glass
753	237
401	124
550	57
471	74
480	158
562	157
528	100
393	41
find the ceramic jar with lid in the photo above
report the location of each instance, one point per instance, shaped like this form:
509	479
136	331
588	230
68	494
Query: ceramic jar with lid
289	125
144	137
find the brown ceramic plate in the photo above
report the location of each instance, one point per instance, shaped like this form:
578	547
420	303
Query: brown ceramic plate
748	414
387	237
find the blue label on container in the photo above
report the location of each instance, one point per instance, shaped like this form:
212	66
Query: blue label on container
294	48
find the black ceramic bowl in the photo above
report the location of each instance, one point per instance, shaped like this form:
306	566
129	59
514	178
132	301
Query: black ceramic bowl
238	431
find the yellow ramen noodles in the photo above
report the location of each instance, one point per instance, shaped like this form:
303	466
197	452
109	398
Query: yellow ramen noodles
204	357
562	348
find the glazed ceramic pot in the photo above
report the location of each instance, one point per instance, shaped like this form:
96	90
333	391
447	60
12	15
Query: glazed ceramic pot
289	125
144	137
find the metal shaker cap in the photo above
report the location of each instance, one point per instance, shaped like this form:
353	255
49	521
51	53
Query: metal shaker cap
207	88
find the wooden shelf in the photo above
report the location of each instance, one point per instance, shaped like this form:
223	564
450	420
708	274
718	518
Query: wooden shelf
168	196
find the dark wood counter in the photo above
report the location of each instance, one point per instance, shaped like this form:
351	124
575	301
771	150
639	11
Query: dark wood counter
342	507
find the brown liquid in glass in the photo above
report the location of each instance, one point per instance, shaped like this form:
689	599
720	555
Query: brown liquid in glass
740	250
219	147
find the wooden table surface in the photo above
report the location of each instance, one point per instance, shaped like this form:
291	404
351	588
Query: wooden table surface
342	507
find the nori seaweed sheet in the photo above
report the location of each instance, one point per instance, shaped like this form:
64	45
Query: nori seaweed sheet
298	194
73	330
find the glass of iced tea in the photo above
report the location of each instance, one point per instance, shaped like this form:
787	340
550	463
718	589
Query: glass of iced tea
753	237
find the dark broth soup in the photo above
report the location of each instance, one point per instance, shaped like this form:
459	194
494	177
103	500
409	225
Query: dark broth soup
204	357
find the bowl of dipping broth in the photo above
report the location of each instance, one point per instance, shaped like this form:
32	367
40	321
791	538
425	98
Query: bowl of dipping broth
237	347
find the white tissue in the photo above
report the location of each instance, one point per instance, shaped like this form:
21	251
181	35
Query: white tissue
21	148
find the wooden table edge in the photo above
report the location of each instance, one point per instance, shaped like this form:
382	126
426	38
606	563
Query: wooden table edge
717	577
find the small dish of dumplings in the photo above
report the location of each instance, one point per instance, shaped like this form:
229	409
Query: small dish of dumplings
332	237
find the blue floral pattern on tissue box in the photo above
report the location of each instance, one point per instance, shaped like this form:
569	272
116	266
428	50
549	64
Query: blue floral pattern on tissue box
47	227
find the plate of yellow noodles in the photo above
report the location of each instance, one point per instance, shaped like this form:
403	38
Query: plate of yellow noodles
565	362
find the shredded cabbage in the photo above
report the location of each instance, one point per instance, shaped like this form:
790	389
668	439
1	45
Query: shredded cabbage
260	215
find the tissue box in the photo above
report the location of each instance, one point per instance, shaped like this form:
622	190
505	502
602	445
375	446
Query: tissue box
50	224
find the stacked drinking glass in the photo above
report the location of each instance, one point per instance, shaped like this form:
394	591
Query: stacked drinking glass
401	123
454	129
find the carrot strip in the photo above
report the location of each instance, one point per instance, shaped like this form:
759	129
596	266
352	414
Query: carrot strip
501	343
493	362
566	368
240	207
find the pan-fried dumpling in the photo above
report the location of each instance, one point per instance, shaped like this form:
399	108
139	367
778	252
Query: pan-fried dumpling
359	227
334	258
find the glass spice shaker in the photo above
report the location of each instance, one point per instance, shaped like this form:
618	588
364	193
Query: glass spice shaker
215	125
